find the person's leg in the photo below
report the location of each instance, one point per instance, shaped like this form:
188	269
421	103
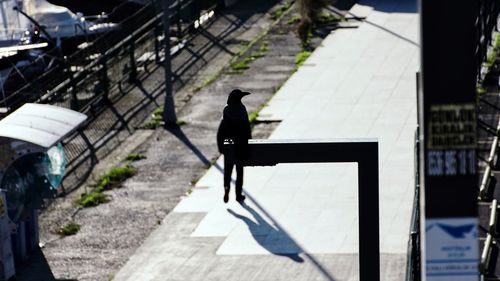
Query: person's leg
239	183
228	170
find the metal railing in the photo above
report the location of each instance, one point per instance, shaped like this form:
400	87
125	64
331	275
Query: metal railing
97	77
484	195
486	24
86	74
413	258
490	164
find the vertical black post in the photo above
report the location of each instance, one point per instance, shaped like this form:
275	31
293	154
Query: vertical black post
169	116
368	211
104	79
178	7
156	34
73	102
132	76
448	141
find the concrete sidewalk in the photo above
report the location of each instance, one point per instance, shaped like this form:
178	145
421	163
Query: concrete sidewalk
300	221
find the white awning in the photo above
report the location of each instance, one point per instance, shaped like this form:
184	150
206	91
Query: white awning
40	124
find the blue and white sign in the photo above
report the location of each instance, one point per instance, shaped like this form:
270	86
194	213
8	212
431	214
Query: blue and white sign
452	249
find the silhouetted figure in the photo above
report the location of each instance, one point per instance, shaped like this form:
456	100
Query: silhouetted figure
234	126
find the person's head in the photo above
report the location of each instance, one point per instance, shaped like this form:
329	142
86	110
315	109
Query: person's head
236	95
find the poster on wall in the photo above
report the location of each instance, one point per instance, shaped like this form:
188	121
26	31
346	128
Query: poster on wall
452	250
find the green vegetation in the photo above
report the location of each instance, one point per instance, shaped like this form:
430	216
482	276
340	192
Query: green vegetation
280	10
115	177
180	122
253	117
69	229
294	19
480	90
208	81
328	18
263	49
92	199
323	18
301	57
155	120
135	157
242	65
493	54
306	43
157	117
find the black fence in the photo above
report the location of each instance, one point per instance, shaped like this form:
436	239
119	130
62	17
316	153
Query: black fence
77	79
99	78
413	259
486	25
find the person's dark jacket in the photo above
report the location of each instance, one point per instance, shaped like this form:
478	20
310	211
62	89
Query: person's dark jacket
235	125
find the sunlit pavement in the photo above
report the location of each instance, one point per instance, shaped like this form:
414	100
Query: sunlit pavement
300	220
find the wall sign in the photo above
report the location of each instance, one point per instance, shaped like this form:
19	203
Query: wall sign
452	249
451	140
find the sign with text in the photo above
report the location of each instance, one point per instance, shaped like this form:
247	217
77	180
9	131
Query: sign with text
451	141
448	130
452	249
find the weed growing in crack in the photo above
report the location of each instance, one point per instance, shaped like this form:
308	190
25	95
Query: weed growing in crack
242	65
294	19
115	177
326	18
280	10
301	57
155	120
69	229
92	199
135	157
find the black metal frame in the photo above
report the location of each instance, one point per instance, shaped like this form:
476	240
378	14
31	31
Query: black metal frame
362	151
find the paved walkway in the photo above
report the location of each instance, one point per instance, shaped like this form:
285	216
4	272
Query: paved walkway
300	222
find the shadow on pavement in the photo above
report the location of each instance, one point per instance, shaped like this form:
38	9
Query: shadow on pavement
177	131
271	238
388	6
262	224
36	269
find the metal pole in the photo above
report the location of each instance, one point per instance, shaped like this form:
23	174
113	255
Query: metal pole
362	151
448	176
368	206
169	116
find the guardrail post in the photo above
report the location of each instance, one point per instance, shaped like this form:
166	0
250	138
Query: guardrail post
132	76
103	76
157	34
178	7
73	102
169	116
